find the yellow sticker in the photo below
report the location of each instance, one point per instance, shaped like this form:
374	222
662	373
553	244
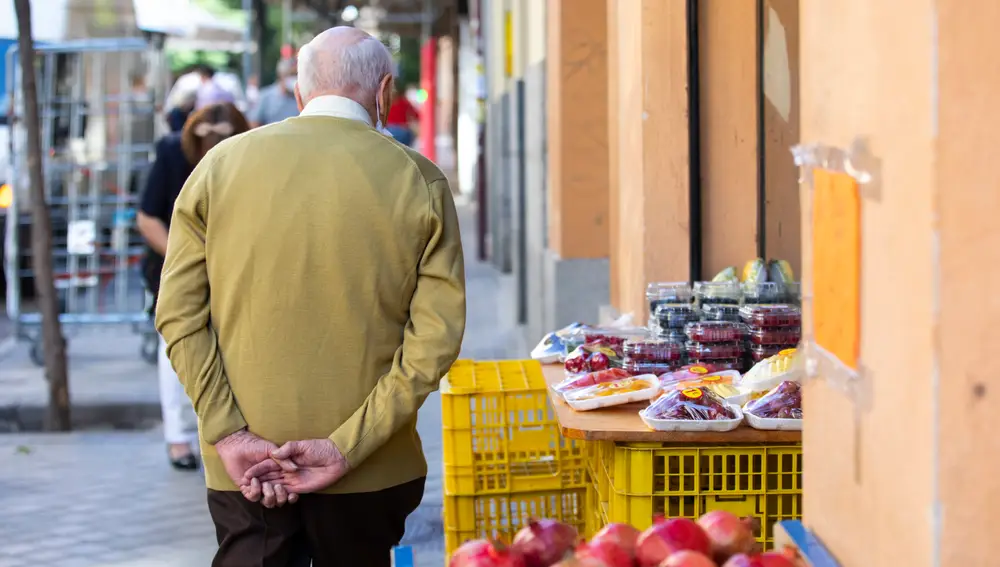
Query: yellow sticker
787	351
693	393
711	378
698	370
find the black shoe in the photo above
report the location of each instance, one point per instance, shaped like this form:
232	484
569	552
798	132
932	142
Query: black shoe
186	463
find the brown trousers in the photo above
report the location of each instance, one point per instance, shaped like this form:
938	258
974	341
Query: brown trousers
330	530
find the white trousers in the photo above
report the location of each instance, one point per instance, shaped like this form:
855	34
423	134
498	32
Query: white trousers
180	425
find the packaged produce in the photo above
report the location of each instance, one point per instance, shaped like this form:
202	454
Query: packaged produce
674	315
727	275
755	293
738	364
775	335
672	335
770	372
717	292
714	351
637	367
611	336
614	393
589	379
592	357
690	372
761	352
692	409
652	350
660	293
780	271
771	315
754	271
555	345
722	383
715	331
784	401
720	312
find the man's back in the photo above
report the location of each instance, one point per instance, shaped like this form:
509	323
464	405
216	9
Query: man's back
315	231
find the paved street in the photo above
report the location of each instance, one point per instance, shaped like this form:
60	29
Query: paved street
102	497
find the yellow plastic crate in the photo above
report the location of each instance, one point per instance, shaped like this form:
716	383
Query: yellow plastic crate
636	481
500	434
501	516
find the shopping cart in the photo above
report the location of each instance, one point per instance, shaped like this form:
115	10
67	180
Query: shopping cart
98	137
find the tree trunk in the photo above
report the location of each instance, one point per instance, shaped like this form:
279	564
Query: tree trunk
53	343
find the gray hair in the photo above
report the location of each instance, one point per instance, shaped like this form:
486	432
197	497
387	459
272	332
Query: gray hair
358	68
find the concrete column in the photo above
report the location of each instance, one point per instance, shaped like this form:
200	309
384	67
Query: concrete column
578	201
909	477
650	148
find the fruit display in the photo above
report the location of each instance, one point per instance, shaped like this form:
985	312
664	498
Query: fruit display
662	293
717	293
589	379
721	383
780	315
554	346
715	331
652	350
738	364
720	312
592	357
698	403
717	539
674	316
714	351
613	337
784	401
754	271
770	372
690	372
762	352
614	393
638	367
774	335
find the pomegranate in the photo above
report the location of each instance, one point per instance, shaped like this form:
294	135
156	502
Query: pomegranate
485	553
743	560
599	361
544	542
729	535
687	558
603	553
621	535
775	559
666	537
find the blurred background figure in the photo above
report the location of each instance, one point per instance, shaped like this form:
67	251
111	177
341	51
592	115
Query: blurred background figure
212	93
176	155
277	101
252	92
403	117
183	95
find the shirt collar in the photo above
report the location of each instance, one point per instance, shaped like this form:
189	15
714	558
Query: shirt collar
337	107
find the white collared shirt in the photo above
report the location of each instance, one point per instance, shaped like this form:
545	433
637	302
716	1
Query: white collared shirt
337	107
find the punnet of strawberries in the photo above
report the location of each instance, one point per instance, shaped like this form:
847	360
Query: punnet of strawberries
717	539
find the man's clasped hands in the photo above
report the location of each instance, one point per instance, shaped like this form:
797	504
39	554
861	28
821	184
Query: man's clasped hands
275	475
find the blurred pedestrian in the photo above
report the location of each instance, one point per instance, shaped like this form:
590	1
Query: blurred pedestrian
176	156
277	102
402	118
313	296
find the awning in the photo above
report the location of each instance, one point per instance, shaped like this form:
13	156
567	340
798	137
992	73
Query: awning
189	26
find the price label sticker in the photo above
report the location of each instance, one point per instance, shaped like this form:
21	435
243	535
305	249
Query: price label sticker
693	393
698	370
712	378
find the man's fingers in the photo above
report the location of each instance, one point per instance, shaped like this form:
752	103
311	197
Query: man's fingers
287	451
293	498
280	496
269	498
261	470
285	464
271	476
252	492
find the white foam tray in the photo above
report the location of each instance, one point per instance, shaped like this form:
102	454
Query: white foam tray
617	399
772	423
693	424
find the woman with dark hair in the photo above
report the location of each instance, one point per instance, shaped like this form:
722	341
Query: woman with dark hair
176	156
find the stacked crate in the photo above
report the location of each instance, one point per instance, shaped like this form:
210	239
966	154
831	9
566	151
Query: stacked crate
504	459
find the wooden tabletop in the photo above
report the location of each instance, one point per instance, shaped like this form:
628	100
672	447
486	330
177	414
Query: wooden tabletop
622	423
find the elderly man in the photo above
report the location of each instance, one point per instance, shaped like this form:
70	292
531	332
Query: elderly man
278	101
313	295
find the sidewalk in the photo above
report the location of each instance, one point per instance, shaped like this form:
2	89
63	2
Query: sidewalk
108	498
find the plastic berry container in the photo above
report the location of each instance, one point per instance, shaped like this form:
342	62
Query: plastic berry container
714	351
653	350
771	315
722	363
640	367
672	335
761	352
763	292
715	331
675	315
662	293
775	335
720	312
724	293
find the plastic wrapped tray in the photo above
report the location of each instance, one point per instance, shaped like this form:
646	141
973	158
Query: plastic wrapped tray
715	331
713	351
765	412
717	293
580	381
652	350
613	337
639	367
771	315
604	395
723	383
763	352
738	364
649	416
675	315
720	312
775	335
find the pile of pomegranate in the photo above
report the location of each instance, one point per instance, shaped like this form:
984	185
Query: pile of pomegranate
717	539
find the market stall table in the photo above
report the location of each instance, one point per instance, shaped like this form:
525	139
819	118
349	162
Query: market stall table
622	423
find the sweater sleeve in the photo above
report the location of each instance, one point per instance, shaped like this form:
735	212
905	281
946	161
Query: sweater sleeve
431	339
183	316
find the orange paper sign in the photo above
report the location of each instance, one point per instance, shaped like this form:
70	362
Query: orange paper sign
836	281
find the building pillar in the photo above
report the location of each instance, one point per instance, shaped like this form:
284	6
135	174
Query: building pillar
907	477
578	200
649	149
